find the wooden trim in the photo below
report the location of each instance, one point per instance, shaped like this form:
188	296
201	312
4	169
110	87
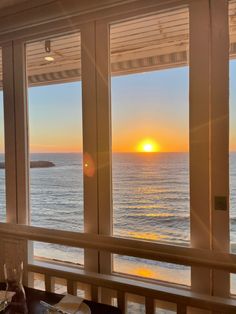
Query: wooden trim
10	132
153	291
104	138
67	9
89	139
149	306
200	219
199	125
51	24
219	111
130	247
21	125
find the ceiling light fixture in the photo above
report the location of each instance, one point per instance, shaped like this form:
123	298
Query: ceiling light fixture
48	46
48	58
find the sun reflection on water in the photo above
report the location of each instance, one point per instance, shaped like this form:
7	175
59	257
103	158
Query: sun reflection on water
146	235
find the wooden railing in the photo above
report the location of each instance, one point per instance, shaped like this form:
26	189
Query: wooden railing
123	286
181	297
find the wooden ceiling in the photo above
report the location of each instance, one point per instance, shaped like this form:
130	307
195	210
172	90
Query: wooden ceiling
8	3
148	43
143	44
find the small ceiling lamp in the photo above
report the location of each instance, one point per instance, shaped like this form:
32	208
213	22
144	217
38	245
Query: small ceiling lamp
48	58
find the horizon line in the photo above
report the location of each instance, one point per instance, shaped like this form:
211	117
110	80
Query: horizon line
115	152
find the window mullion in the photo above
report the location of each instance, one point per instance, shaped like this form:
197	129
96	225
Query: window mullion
10	132
200	220
220	138
21	124
104	137
89	138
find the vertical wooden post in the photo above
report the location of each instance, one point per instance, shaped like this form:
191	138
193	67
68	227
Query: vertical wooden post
49	286
220	139
149	305
10	132
94	293
71	287
105	210
181	309
90	138
21	123
200	220
104	135
121	300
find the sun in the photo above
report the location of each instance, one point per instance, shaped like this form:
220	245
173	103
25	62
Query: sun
148	146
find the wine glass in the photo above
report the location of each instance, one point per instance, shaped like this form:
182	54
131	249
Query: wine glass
15	293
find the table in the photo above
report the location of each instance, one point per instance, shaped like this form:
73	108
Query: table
34	296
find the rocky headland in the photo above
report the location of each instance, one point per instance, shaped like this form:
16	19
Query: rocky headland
35	164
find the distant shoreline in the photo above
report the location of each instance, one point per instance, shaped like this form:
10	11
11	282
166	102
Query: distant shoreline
35	164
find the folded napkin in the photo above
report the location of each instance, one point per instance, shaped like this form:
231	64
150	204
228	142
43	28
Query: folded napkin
69	304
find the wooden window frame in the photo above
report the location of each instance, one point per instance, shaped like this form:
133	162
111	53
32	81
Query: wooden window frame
208	154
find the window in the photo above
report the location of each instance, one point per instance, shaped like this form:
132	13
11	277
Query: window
58	253
55	135
153	270
150	172
157	168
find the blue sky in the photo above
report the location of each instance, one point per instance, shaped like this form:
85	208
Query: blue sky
149	105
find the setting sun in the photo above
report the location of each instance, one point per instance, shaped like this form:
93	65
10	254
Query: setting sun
148	146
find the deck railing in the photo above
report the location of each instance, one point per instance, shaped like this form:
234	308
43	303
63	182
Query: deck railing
120	286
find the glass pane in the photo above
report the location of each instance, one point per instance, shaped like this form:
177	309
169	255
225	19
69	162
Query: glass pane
150	128
83	290
163	307
59	285
135	304
233	283
149	269
2	151
55	129
37	281
58	253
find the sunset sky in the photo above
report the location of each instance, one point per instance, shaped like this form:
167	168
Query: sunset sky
142	109
146	107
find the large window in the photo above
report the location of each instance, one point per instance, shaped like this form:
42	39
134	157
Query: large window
154	107
2	150
55	135
150	170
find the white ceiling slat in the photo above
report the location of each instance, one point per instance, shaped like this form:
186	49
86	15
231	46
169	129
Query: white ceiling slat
138	44
147	43
73	52
142	37
169	16
153	24
55	43
149	40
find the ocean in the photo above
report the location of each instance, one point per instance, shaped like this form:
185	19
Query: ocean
150	201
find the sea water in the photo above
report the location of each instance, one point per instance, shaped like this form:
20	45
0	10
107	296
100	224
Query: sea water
150	202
